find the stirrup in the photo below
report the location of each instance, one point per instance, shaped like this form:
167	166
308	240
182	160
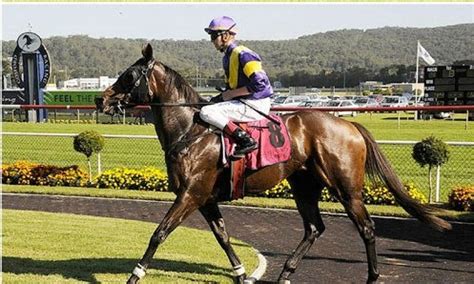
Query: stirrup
240	153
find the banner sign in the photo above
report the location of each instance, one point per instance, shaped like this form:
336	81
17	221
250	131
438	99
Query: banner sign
72	98
14	97
30	43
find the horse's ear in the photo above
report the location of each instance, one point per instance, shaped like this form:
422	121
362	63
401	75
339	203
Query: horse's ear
147	52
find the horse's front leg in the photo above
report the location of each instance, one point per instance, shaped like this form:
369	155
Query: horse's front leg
214	218
183	206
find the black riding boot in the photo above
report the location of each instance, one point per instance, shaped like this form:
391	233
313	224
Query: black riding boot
245	143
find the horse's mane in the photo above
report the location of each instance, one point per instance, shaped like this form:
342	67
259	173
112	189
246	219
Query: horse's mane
174	79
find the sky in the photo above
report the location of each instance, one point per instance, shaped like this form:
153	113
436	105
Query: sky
259	21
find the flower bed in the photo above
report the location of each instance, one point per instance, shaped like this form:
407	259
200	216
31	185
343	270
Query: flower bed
153	179
462	198
25	173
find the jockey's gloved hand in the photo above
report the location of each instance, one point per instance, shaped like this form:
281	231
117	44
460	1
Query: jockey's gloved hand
217	99
221	89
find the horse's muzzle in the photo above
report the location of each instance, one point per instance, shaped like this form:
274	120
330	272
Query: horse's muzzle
99	104
109	108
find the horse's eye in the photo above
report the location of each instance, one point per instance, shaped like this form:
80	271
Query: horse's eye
129	78
135	75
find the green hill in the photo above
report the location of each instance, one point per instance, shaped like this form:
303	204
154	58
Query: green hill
355	51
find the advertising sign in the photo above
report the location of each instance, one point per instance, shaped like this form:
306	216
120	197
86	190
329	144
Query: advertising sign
30	43
13	97
72	98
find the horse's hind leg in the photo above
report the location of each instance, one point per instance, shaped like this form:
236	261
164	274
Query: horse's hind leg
181	208
358	213
214	218
306	194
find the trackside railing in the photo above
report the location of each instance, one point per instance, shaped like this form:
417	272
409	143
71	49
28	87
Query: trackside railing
138	151
139	110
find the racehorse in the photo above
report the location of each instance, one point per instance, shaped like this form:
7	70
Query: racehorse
326	152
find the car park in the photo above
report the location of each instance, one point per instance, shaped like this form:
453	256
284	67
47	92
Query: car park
313	103
377	97
351	98
289	100
323	98
342	104
394	101
365	102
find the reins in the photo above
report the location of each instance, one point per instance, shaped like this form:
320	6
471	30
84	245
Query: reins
179	104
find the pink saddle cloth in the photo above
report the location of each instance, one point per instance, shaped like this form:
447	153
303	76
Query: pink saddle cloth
274	145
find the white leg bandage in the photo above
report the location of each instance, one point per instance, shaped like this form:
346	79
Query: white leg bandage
139	271
239	270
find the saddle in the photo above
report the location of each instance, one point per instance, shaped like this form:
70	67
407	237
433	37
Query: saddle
274	146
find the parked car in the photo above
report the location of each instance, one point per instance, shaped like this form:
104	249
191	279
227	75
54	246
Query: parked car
366	102
351	98
394	101
377	97
289	100
323	98
313	103
335	97
411	101
435	114
342	104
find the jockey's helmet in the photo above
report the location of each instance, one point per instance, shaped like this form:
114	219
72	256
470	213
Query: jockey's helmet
221	24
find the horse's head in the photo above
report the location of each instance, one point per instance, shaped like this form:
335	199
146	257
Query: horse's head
132	86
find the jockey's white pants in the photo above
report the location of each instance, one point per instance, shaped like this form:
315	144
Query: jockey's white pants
221	113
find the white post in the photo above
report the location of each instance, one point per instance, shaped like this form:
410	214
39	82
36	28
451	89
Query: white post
437	182
398	120
416	77
99	168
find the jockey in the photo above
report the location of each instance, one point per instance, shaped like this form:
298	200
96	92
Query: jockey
247	86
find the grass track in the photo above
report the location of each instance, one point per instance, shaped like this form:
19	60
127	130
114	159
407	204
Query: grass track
384	126
41	247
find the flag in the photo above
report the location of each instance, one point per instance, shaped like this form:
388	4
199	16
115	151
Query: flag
425	55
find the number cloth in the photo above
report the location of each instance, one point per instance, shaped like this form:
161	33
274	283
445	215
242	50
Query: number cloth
273	141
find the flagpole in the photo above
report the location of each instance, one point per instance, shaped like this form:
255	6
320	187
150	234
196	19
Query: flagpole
416	77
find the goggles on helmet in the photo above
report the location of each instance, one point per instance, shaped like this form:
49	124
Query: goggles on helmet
216	33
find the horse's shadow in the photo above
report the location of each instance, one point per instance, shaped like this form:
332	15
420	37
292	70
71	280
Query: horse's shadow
84	269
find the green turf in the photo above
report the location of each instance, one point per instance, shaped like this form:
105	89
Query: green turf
384	126
41	247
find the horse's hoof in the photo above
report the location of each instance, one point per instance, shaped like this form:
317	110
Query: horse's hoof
250	280
373	278
240	279
133	279
284	281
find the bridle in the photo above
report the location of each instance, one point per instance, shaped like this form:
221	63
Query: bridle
140	88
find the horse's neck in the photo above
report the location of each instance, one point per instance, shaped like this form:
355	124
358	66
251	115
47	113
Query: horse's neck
173	123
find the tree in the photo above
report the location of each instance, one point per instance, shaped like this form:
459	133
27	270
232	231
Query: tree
430	151
87	143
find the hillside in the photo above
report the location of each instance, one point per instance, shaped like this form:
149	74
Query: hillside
369	50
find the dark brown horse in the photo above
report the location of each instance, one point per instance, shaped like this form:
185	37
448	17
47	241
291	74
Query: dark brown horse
326	151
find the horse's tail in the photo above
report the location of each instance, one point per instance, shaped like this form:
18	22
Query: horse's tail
378	168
